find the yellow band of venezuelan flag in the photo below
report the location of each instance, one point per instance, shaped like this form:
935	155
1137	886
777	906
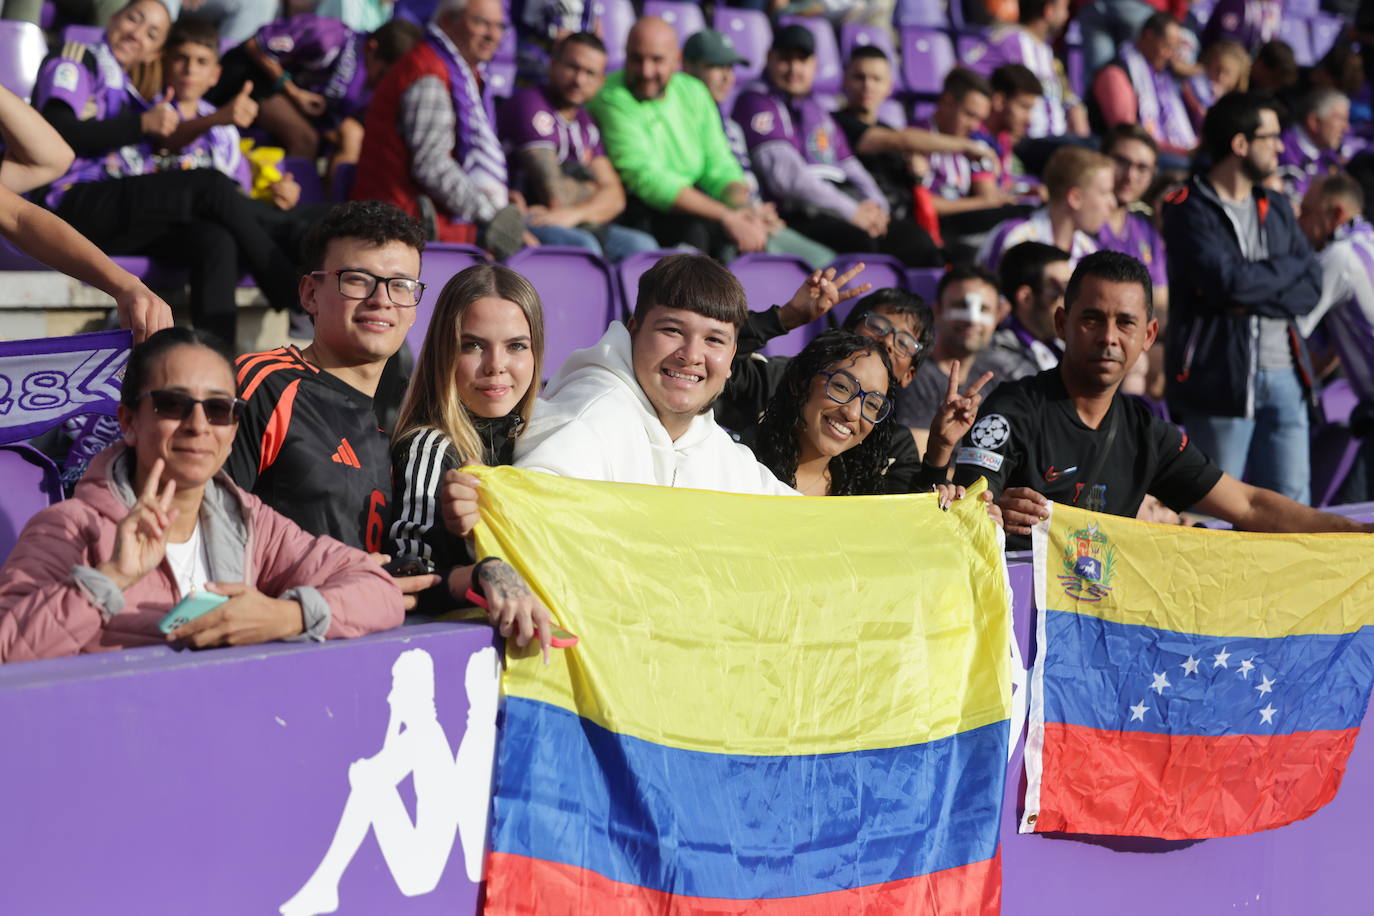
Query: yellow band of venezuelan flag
1236	584
813	588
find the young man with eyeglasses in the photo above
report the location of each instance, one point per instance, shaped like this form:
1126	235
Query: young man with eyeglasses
309	444
1240	272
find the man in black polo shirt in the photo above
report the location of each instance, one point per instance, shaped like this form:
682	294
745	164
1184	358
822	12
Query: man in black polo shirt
309	444
1066	435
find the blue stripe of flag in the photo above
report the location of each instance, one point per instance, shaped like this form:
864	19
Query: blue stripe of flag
742	827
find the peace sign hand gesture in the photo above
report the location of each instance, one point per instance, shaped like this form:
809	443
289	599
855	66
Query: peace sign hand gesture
141	536
955	417
818	294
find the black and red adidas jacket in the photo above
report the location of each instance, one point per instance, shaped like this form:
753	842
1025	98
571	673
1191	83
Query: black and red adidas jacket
309	446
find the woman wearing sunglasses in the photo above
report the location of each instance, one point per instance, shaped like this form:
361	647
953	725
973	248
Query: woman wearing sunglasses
154	520
473	390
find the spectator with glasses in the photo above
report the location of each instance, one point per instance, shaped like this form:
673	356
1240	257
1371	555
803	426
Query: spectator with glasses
154	519
309	444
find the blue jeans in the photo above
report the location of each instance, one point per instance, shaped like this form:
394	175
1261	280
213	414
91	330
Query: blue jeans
1269	450
621	242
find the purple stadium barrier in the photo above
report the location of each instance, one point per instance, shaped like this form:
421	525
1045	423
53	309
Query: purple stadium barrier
829	68
927	55
22	49
438	264
768	280
578	291
686	18
752	34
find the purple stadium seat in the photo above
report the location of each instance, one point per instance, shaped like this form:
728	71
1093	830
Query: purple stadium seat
879	269
921	12
86	34
891	113
752	34
856	35
342	184
927	55
307	176
768	280
972	47
578	292
1325	30
1334	449
1302	9
923	280
628	272
1296	32
501	78
505	51
22	49
32	483
686	18
616	18
440	261
1073	63
829	68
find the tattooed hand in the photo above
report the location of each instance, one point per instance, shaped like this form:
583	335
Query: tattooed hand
512	608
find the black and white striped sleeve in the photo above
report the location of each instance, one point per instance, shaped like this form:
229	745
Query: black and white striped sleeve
418	464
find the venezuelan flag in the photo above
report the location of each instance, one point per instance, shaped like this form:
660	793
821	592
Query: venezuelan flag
779	705
1192	683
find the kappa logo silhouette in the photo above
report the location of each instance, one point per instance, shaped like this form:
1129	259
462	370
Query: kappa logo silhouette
452	793
344	454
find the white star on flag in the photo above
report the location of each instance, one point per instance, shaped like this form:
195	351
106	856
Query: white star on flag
1267	715
1246	667
1138	711
1265	685
1219	660
1190	666
1160	682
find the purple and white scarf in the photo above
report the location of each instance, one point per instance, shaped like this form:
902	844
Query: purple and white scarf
1158	101
477	149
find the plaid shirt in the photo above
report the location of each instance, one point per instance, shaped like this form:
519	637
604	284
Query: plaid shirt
428	126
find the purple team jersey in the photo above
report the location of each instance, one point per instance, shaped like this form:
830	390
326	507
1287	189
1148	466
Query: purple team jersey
952	175
218	148
95	87
766	115
1014	45
1302	161
530	120
1140	240
323	55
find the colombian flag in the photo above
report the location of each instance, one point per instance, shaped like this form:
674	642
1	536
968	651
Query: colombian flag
1192	683
779	705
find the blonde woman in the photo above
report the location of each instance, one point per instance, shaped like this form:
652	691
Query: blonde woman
472	392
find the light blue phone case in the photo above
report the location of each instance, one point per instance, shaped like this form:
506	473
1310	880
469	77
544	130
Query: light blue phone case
189	608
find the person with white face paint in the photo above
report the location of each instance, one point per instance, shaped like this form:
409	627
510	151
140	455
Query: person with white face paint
967	310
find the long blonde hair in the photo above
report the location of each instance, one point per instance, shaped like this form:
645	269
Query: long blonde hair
432	400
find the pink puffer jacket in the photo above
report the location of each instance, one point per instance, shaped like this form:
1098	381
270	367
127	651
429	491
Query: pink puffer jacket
53	603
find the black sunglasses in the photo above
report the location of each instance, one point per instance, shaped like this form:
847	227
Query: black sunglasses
176	405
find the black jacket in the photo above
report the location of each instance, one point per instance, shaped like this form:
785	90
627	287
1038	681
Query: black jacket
1216	297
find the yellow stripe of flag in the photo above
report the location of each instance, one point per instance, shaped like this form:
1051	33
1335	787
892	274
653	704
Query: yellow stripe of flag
812	589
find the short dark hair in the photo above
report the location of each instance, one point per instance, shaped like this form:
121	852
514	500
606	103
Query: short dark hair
586	39
1278	56
193	30
147	354
1011	80
963	270
1114	267
899	302
370	220
1158	24
1029	11
868	52
1233	113
1119	132
694	282
1341	185
960	81
1024	265
394	39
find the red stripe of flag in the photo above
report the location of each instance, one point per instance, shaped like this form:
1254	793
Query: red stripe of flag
969	890
1182	787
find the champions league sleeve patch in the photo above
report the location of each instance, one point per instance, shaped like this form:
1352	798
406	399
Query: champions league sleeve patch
980	457
991	432
66	76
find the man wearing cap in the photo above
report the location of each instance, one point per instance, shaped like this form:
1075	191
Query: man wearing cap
807	167
663	134
711	57
557	160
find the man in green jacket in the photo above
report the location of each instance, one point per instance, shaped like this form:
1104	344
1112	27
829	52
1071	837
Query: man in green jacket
663	134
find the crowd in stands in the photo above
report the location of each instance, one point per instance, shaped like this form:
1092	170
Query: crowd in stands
1147	223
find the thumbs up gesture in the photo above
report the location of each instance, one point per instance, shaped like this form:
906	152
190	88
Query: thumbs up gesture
160	120
241	110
